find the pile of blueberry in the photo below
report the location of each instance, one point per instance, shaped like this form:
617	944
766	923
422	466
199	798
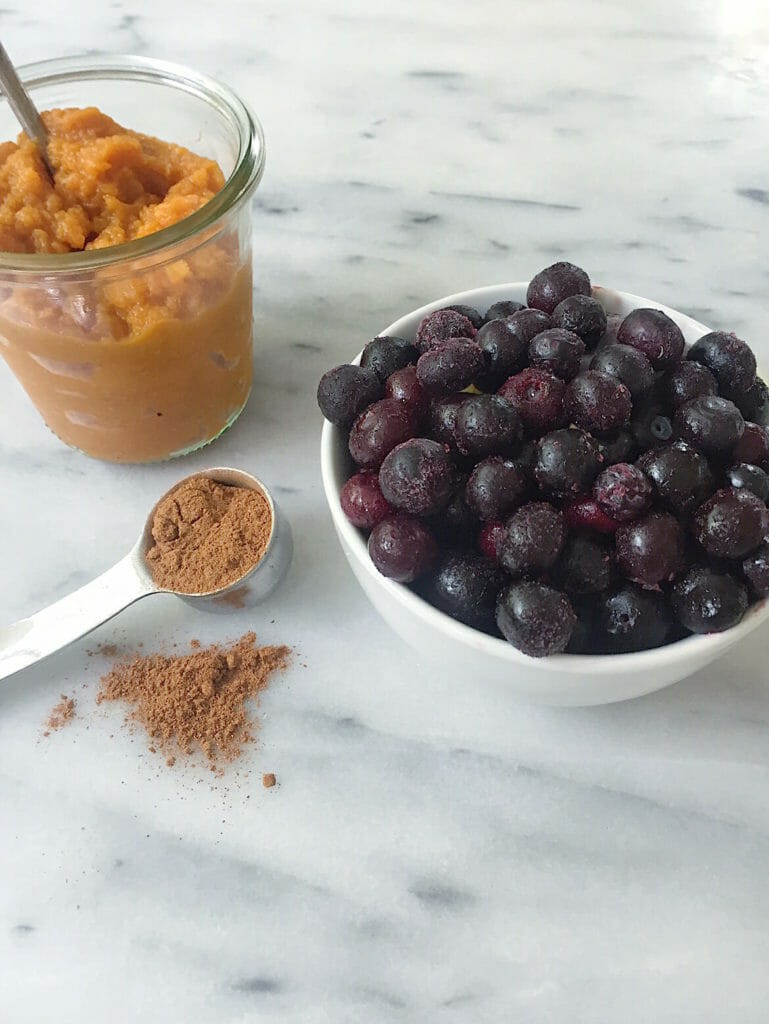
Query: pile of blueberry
573	481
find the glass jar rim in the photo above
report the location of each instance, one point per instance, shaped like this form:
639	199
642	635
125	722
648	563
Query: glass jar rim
246	174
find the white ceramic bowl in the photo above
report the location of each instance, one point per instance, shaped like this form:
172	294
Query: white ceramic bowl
558	680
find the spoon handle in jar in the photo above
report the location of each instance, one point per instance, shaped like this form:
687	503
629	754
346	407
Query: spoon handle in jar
21	104
29	640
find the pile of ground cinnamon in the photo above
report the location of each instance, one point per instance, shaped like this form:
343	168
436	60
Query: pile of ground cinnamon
208	535
196	701
61	713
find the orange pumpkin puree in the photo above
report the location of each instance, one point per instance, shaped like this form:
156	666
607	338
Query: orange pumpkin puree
141	359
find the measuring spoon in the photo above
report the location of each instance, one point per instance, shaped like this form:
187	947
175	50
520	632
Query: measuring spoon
29	640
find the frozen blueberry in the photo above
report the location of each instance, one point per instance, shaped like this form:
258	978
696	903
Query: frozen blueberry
403	386
627	365
586	565
378	430
660	428
472	314
753	446
623	492
402	548
490	538
558	351
438	327
680	475
650	426
456	524
650	550
707	601
753	403
496	487
418	476
583	639
526	460
616	446
487	425
527	323
685	382
597	402
538	397
584	316
710	423
345	391
450	366
630	619
385	355
465	585
534	538
568	461
552	285
731	524
587	514
729	359
751	478
653	332
443	417
535	618
755	569
499	310
362	500
504	351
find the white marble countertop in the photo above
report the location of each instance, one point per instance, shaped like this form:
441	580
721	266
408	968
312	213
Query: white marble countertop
433	852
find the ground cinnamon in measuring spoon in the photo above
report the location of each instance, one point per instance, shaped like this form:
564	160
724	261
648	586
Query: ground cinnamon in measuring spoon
207	535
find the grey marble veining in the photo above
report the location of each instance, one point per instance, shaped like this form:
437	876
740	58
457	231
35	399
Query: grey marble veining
434	852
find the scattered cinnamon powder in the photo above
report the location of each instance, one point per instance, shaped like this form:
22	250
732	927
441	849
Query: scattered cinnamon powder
61	713
268	780
207	535
196	701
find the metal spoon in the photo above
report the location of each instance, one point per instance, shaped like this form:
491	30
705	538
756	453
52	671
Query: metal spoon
29	640
21	104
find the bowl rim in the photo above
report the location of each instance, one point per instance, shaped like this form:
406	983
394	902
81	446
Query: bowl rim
688	649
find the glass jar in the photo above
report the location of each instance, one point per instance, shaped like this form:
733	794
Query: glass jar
141	351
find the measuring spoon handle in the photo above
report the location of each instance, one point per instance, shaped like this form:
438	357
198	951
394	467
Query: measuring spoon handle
29	640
